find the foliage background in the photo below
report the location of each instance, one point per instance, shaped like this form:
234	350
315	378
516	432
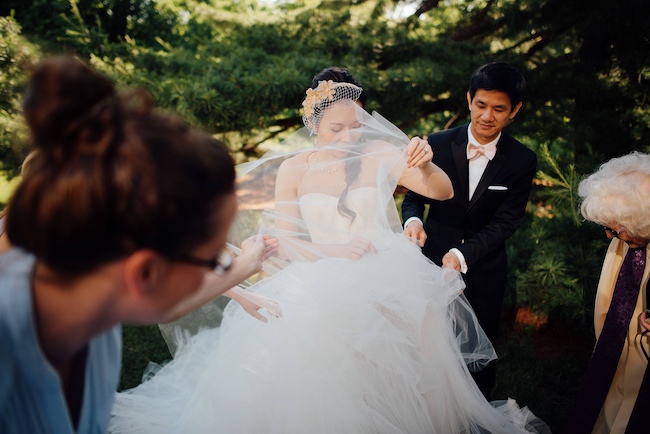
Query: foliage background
239	70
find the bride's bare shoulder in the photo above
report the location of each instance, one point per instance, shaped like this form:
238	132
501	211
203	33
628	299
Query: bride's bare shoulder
295	162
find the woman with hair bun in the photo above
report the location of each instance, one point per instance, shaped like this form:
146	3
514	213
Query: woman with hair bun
119	219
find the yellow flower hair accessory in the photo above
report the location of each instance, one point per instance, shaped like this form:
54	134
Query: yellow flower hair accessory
324	90
323	96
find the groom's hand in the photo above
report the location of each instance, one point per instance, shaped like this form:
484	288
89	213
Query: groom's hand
450	260
415	231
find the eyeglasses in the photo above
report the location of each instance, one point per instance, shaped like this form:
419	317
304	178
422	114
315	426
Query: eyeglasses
612	232
220	265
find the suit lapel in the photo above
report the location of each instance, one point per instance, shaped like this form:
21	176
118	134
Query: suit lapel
459	151
490	172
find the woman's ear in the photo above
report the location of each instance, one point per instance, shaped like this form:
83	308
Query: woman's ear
142	273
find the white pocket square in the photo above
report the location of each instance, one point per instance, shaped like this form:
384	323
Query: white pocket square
498	187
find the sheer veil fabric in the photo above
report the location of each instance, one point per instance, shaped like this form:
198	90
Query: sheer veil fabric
373	337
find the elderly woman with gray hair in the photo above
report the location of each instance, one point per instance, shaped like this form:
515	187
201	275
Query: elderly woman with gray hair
615	390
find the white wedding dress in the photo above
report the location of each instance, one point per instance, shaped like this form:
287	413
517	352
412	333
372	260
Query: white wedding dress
377	345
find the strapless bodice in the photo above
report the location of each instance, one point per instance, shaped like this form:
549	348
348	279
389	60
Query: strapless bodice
326	225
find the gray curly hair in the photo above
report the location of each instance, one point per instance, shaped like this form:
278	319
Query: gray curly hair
619	192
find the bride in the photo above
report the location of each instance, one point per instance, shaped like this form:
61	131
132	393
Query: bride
372	337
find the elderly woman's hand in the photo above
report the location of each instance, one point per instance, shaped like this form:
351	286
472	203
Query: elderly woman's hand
644	321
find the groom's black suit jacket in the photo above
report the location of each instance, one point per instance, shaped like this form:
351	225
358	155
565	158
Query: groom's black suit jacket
480	226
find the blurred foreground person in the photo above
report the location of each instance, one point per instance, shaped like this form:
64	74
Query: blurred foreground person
119	218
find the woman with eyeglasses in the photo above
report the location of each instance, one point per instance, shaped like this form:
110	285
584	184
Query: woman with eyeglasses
615	390
118	220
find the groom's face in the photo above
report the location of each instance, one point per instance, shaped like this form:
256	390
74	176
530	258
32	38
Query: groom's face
490	112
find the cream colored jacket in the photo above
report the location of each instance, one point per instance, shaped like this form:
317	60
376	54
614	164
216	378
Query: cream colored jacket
622	394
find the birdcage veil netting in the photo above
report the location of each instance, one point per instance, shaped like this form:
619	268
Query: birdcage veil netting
325	188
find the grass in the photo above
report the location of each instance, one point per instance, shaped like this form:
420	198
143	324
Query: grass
542	368
539	367
141	345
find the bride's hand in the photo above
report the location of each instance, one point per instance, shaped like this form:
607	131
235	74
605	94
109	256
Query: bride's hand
419	153
357	248
252	303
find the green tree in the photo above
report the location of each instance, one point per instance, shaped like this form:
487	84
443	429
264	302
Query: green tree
99	20
16	55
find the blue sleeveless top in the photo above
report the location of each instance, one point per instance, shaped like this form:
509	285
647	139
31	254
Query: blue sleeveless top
32	399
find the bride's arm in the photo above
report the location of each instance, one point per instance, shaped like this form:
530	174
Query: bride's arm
421	175
255	251
252	303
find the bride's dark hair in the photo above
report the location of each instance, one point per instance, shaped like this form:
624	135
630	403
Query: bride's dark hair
113	175
352	166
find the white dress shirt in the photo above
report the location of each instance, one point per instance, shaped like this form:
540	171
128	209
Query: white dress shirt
477	165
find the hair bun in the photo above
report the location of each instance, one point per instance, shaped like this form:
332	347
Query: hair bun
62	93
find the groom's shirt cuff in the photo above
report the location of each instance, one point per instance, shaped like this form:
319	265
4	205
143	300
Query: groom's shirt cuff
461	258
406	223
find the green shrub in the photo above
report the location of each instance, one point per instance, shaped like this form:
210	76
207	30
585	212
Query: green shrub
16	56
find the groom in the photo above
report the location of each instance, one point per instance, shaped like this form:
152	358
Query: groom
492	175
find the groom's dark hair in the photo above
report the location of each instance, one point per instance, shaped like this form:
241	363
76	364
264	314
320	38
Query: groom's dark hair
498	76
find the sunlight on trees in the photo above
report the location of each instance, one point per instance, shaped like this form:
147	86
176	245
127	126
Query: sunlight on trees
240	69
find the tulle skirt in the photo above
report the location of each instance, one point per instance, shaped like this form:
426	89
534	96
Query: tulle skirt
378	345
